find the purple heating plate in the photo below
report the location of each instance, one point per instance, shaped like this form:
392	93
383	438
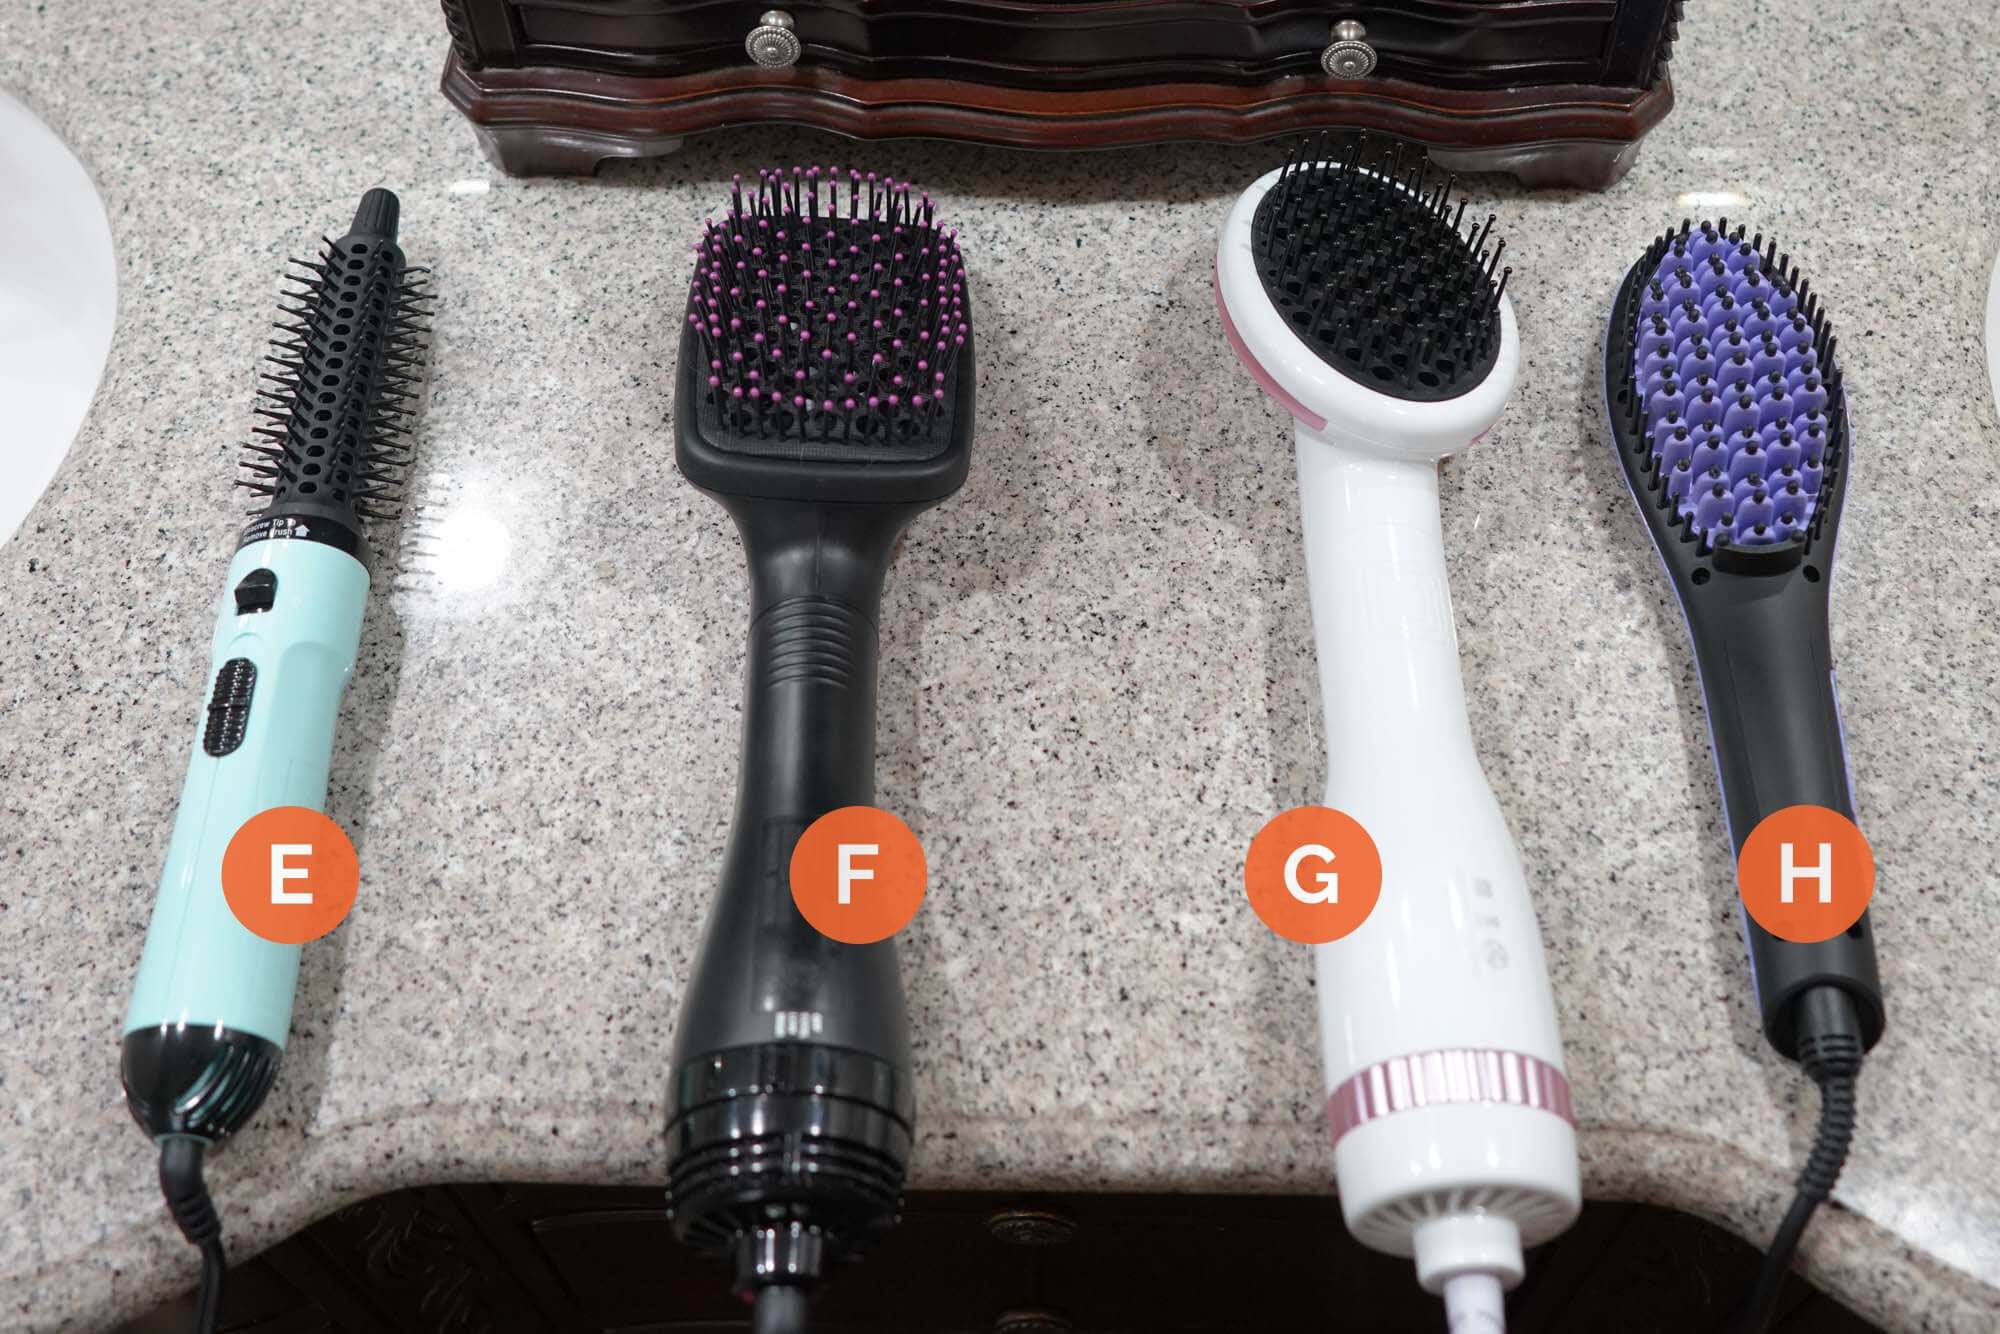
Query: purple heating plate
1736	402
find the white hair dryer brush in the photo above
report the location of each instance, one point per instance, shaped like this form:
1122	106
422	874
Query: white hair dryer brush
1351	293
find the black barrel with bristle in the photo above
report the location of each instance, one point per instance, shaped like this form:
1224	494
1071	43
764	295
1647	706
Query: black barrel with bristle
332	448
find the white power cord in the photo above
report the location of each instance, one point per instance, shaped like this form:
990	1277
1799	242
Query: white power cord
1473	1304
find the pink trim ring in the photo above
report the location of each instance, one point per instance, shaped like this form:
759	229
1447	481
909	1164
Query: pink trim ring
1435	1078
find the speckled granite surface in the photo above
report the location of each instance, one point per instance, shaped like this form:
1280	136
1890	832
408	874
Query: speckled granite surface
1098	673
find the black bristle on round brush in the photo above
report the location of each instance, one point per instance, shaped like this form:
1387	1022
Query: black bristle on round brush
335	415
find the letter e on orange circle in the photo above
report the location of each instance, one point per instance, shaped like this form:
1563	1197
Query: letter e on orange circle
290	874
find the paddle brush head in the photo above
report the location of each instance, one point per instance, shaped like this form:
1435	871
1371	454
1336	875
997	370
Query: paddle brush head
1364	258
827	347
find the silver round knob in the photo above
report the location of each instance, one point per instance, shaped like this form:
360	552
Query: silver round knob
772	43
1350	57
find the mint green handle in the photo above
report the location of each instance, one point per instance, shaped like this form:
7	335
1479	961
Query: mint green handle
201	967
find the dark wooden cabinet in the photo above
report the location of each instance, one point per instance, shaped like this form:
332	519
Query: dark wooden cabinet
1446	45
1557	91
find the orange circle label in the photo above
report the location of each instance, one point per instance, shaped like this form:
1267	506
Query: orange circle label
1313	874
858	875
290	874
1806	873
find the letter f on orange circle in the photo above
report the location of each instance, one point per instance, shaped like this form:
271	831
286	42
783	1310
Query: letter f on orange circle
849	872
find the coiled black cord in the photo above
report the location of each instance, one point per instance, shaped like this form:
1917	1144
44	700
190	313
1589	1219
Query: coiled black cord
187	1200
1830	1051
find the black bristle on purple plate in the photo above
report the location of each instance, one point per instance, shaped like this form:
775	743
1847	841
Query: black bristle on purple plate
1729	391
830	310
1366	257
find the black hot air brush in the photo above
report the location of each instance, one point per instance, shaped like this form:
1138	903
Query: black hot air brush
824	396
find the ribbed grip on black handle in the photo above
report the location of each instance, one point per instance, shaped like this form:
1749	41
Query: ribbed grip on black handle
808	747
1767	672
790	1117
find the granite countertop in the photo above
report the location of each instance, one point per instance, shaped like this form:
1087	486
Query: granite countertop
1097	657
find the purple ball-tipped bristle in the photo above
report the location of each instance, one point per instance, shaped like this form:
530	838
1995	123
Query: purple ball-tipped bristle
1733	371
830	310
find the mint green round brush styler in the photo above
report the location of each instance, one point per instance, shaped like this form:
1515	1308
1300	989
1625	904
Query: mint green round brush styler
213	1002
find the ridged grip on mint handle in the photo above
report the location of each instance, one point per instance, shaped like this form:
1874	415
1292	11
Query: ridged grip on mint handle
808	748
1767	675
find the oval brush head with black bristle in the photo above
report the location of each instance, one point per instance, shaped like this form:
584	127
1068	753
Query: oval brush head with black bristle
831	316
348	355
1726	395
1364	257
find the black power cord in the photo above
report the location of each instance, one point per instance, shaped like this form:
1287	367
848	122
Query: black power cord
1830	1050
187	1200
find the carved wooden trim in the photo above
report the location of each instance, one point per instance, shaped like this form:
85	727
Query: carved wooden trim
1669	34
459	25
542	118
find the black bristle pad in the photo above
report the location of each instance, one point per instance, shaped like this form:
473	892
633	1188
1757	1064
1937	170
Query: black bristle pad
1364	256
336	409
831	309
1732	394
